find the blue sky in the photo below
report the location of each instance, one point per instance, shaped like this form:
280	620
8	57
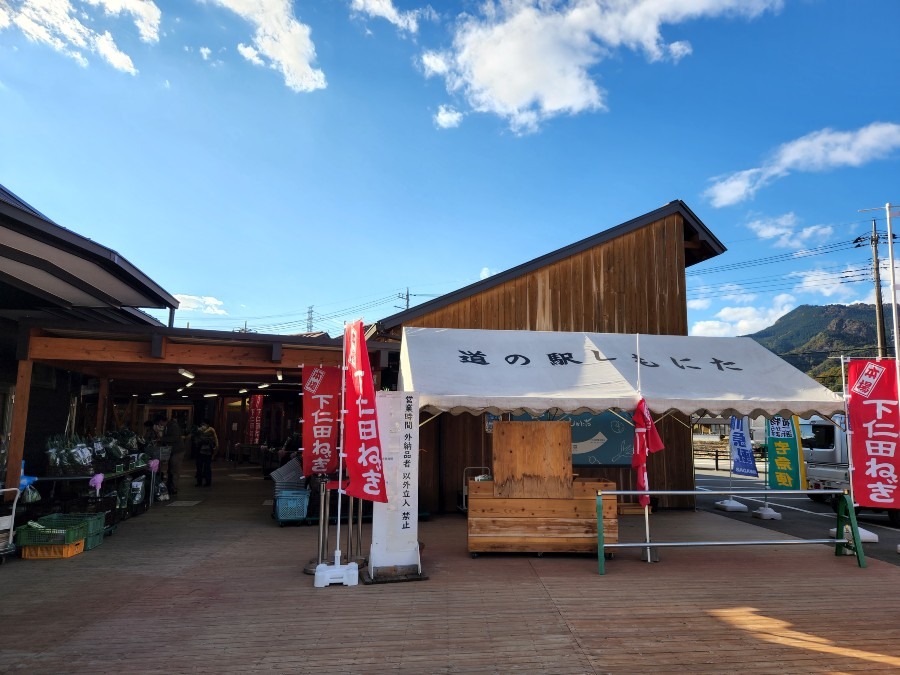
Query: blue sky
260	157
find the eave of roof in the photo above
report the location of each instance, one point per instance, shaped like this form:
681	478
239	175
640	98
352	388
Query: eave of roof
18	216
703	235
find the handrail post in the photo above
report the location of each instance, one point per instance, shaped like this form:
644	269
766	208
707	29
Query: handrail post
601	554
846	515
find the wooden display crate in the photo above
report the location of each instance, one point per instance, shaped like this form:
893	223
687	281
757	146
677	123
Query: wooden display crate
540	525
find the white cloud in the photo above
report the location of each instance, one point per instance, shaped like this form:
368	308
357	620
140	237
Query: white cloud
819	151
530	60
448	117
279	39
730	321
435	63
205	304
702	303
205	52
106	47
145	12
833	285
384	9
57	24
784	232
736	293
485	273
678	50
250	54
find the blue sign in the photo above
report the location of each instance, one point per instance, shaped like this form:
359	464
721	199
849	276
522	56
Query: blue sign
743	463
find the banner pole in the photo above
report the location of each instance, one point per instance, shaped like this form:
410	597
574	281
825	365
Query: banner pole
340	480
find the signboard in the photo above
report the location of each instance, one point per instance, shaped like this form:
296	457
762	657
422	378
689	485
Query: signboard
787	470
321	419
597	440
742	461
361	443
872	409
395	524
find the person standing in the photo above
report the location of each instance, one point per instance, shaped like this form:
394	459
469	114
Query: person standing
207	447
172	438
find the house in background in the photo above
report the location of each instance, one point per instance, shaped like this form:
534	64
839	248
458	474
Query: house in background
627	279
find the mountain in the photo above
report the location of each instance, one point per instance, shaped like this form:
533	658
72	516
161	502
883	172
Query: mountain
811	337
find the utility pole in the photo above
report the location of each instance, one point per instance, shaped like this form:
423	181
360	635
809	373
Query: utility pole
879	309
309	319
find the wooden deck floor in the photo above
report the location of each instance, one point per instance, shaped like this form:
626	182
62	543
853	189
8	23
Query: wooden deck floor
218	587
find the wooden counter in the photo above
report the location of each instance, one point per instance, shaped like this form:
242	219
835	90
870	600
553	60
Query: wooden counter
540	524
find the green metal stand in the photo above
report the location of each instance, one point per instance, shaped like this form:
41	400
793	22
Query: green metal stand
846	515
601	556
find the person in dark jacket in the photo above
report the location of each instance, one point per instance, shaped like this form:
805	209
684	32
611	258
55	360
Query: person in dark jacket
207	448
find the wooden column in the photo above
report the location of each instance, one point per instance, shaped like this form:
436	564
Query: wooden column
19	422
102	405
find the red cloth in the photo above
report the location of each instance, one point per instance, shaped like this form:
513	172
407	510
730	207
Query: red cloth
321	419
362	444
875	420
646	440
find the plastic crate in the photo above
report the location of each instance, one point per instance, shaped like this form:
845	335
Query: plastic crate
292	506
93	541
291	472
57	528
52	551
289	488
95	521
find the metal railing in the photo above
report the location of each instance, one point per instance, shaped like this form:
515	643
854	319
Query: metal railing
846	515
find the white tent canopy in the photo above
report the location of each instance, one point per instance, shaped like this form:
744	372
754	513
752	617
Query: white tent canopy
464	370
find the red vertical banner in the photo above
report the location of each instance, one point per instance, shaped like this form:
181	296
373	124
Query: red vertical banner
362	445
646	440
321	417
255	422
872	409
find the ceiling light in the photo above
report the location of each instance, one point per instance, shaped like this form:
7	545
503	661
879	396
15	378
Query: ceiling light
278	375
180	389
189	384
242	391
263	386
209	395
188	374
157	393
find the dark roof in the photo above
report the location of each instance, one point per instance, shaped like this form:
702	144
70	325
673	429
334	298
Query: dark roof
50	272
707	246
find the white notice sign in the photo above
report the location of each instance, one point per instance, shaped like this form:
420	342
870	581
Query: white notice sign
395	525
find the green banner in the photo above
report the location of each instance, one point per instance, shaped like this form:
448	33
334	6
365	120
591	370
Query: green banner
785	452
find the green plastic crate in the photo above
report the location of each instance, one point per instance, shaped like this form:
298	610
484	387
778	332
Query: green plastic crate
93	541
57	528
95	521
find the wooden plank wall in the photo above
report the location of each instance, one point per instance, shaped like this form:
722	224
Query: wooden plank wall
632	284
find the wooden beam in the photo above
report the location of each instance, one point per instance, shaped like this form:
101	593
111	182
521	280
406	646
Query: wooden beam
157	346
102	404
19	423
52	349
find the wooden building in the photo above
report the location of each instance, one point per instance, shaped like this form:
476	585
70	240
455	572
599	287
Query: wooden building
628	279
75	345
